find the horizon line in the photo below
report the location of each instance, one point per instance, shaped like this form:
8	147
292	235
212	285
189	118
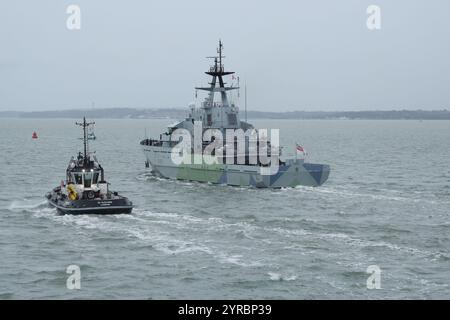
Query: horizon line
248	110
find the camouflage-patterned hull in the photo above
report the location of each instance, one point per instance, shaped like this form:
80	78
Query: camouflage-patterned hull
291	174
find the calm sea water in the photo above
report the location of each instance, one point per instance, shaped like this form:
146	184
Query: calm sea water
387	203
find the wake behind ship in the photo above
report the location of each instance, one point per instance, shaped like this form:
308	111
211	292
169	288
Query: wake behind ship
223	115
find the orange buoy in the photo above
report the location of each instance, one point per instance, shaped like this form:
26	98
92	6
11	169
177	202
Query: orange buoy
34	135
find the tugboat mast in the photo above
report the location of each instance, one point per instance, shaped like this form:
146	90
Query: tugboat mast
85	124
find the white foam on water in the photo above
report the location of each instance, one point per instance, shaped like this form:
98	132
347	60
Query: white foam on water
145	230
237	259
144	176
182	247
27	205
352	241
167	244
44	212
290	278
174	220
168	215
351	194
193	224
274	276
139	226
185	221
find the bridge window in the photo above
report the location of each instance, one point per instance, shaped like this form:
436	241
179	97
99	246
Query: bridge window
87	179
77	178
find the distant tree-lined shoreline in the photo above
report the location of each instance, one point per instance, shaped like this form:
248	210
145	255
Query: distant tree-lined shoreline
133	113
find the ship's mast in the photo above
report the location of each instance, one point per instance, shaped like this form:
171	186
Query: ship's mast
85	125
219	51
218	72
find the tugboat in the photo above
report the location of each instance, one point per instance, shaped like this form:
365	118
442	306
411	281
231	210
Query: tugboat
220	116
85	190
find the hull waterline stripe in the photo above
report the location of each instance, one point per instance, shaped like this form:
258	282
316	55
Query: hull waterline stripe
89	209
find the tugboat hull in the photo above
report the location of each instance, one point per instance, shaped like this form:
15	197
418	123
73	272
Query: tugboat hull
99	207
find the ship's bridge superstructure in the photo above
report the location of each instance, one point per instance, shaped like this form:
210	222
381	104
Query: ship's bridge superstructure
219	114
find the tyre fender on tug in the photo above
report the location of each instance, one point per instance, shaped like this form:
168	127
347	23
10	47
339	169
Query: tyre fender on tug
72	192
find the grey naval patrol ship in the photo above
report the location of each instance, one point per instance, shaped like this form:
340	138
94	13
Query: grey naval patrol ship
224	115
85	190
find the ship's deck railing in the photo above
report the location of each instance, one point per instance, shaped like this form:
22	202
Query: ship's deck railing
151	142
158	143
211	105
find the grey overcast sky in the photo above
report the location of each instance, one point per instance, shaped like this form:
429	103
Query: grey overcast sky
294	55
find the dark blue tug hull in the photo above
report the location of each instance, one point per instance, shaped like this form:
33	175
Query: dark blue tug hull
97	206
